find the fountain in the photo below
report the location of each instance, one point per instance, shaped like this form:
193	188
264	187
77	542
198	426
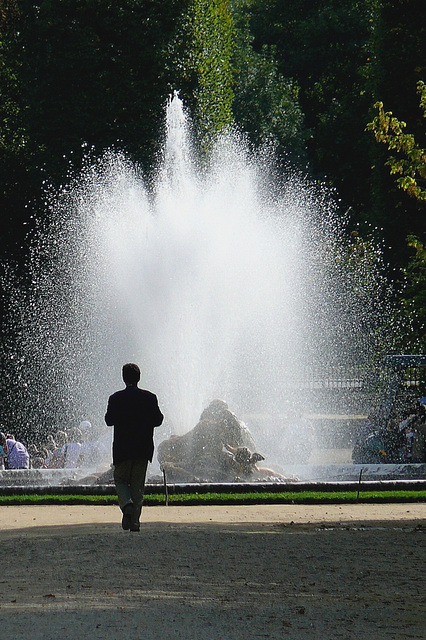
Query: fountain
218	278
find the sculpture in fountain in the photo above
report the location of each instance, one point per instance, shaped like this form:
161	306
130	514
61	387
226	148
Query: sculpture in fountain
220	448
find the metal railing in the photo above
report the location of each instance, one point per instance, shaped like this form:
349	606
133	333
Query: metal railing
357	376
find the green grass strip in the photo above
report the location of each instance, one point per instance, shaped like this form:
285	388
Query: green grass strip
287	497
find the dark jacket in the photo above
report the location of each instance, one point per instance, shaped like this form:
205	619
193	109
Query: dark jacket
134	413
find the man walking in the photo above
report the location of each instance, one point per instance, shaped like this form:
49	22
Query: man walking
134	413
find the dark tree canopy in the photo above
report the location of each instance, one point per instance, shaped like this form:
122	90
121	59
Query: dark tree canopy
302	75
80	72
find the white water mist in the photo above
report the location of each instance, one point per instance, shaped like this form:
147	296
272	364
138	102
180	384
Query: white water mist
217	282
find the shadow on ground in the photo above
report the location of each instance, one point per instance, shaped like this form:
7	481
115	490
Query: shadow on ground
210	581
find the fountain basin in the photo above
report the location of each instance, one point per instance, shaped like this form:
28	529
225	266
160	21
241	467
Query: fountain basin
301	477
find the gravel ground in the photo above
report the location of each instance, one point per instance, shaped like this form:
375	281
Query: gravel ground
201	573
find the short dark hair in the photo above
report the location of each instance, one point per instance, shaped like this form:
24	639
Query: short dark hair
131	373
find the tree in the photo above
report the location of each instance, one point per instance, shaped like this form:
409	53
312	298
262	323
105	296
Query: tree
266	105
15	153
225	81
77	75
213	33
410	163
398	63
200	60
322	46
92	72
414	294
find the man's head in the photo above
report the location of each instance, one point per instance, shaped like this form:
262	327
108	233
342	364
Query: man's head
131	374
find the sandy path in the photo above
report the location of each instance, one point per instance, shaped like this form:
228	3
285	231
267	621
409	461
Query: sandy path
12	518
204	573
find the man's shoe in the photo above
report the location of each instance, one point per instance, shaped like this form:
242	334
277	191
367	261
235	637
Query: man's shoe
127	517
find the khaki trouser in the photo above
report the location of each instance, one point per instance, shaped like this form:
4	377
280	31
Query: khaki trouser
129	478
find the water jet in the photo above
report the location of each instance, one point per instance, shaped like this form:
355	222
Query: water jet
217	278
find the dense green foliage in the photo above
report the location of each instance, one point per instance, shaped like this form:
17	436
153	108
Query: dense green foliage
414	294
76	75
210	55
200	61
303	76
266	105
397	65
408	161
322	46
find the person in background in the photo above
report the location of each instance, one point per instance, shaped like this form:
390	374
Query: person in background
87	456
72	449
37	462
48	449
45	455
419	433
32	452
58	454
3	451
134	413
18	457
